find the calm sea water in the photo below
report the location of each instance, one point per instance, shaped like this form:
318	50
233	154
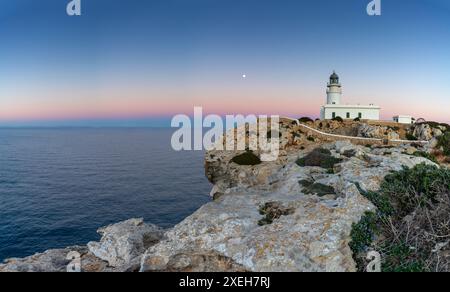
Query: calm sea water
58	186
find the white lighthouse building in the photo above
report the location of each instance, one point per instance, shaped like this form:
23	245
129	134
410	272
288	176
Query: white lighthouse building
334	108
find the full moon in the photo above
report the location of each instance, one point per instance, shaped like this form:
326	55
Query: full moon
244	76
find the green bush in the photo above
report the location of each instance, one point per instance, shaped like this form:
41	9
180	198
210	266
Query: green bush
411	137
310	138
363	232
398	257
305	120
317	189
410	188
338	119
247	158
412	218
444	142
319	157
380	200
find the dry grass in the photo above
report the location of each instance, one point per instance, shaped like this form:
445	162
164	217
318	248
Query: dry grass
411	229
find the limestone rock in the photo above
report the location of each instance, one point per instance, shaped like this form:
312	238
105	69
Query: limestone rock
423	132
125	242
379	132
411	150
55	260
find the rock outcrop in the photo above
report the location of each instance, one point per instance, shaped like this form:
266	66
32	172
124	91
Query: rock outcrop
427	132
314	236
55	260
123	244
369	131
120	250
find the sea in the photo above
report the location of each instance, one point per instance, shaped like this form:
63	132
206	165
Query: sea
59	185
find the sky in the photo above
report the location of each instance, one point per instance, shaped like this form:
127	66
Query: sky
140	62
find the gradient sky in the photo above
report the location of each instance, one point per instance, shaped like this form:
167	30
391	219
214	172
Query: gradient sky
138	62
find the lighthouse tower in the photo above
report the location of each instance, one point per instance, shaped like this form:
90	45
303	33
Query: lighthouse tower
334	108
334	90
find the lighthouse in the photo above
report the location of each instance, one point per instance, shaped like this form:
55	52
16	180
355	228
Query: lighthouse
334	90
334	108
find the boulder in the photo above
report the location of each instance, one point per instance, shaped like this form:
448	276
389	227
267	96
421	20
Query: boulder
123	244
55	260
423	132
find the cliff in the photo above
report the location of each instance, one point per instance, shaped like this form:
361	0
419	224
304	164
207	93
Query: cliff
293	214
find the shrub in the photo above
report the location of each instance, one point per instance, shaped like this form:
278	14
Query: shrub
363	232
319	157
311	138
410	137
305	120
338	119
272	211
357	120
247	158
412	188
317	189
444	142
380	200
411	221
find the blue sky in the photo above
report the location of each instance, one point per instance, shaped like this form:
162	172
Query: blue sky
138	62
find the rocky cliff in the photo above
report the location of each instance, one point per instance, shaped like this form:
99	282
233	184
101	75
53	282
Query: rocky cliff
293	214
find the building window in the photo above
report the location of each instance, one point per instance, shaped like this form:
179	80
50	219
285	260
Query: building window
333	115
348	115
360	115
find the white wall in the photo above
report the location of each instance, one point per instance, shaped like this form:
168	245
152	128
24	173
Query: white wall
367	113
403	120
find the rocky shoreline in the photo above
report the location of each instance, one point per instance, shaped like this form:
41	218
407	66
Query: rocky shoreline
269	216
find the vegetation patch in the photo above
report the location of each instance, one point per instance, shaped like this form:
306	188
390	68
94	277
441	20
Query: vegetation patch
319	157
305	120
273	211
318	189
410	228
338	119
444	142
247	158
311	138
349	153
411	137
